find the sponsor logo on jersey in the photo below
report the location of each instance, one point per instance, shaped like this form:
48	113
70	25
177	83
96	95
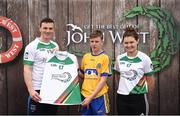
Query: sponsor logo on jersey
42	49
61	67
53	65
151	66
91	74
128	65
26	55
98	65
64	77
129	75
122	63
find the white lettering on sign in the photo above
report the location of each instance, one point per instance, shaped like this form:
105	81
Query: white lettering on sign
82	36
144	34
9	25
116	36
12	52
77	35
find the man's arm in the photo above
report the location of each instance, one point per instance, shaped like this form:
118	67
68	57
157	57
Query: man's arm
99	87
28	81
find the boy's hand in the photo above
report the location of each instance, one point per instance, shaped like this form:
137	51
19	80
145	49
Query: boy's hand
86	102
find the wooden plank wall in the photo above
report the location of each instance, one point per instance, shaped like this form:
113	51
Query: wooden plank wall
168	87
28	13
3	68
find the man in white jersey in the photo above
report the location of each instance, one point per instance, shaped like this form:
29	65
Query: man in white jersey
135	79
35	56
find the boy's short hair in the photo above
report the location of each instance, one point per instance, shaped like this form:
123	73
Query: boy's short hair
96	33
46	20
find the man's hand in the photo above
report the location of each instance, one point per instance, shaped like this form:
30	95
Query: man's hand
35	95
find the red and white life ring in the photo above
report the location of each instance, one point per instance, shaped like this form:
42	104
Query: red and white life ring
17	43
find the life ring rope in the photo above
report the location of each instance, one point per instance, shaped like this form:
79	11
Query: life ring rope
17	39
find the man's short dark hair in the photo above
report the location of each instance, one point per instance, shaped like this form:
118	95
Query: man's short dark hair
46	20
96	33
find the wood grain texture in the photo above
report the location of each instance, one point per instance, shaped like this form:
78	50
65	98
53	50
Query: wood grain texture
169	77
3	67
80	15
27	14
37	10
146	24
58	11
17	93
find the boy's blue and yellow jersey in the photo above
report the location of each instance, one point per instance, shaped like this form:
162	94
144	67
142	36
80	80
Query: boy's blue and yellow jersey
94	67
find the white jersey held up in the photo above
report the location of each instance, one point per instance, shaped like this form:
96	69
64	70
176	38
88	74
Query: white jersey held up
60	84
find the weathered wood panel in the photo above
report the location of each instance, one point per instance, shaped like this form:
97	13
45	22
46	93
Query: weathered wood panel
168	78
147	25
28	13
38	9
3	67
153	98
58	10
3	77
16	87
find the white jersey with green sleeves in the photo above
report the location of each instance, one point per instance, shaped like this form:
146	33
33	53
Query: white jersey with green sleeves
35	55
132	69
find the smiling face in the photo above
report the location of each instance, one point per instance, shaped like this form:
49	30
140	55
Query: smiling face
130	45
130	41
47	31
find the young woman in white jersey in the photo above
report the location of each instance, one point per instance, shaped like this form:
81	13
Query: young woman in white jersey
134	69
